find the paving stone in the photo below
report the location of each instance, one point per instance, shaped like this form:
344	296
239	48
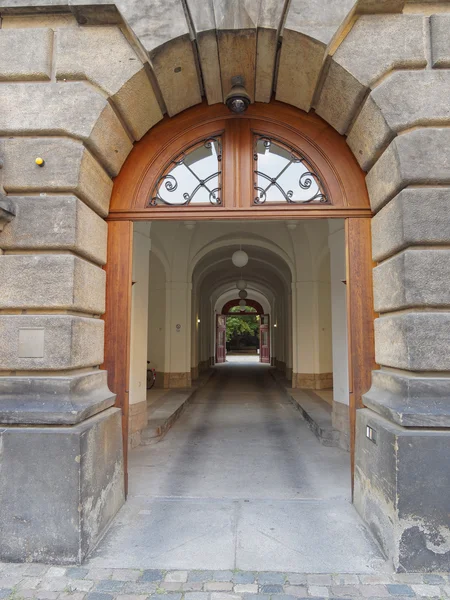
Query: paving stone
218	586
81	585
246	588
46	595
109	585
271	588
222	576
200	576
344	591
243	577
429	591
131	597
383	578
318	590
126	574
54	584
346	579
166	597
176	576
256	597
264	578
77	573
99	596
152	575
139	587
29	583
396	589
27	593
319	580
9	581
299	591
4	593
71	596
432	579
192	586
289	597
171	586
196	596
56	572
373	591
99	574
35	570
222	596
296	578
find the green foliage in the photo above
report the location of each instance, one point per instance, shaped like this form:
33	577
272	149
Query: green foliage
241	324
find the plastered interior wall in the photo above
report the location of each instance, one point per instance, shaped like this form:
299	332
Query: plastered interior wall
139	313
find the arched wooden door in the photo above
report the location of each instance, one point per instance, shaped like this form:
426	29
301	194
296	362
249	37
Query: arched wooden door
330	185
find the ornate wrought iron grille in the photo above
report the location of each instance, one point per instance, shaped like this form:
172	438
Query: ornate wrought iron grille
193	176
282	174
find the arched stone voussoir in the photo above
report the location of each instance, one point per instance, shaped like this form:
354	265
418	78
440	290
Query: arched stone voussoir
376	45
68	167
72	109
103	56
310	27
404	100
417	157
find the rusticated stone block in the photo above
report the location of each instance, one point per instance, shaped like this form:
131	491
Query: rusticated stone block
417	216
410	401
404	100
104	57
61	400
440	41
25	54
60	488
397	478
50	342
355	67
413	341
56	223
416	157
36	109
52	281
69	167
412	278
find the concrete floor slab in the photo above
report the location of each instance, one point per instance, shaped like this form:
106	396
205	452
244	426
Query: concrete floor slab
239	482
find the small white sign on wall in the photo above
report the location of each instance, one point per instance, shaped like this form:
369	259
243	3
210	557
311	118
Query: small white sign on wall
31	342
178	328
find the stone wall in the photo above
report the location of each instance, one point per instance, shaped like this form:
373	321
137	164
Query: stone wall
78	87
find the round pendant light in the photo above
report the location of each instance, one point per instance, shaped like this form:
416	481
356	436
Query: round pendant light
242	303
239	258
243	294
241	284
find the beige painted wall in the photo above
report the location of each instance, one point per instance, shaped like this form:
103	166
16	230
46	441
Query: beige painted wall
139	313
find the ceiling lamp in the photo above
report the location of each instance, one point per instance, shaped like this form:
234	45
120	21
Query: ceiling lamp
239	258
243	294
242	303
237	99
241	284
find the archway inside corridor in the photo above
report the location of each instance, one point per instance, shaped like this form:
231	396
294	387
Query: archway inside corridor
334	187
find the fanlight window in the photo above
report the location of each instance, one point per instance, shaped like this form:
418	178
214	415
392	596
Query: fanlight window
282	174
193	177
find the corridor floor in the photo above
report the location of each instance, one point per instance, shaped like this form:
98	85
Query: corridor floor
240	482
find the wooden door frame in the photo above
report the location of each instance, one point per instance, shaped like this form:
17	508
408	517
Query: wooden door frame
332	153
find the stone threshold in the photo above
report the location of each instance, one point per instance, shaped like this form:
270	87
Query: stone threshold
315	411
166	410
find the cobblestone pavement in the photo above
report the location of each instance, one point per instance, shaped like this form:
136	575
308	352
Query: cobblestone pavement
43	582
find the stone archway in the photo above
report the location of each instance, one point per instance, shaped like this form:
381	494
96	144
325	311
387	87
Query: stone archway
364	73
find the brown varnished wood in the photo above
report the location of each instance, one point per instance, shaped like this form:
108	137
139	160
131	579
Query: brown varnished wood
360	318
118	320
323	146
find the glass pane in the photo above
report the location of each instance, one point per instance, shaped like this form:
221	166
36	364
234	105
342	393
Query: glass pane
193	177
283	175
